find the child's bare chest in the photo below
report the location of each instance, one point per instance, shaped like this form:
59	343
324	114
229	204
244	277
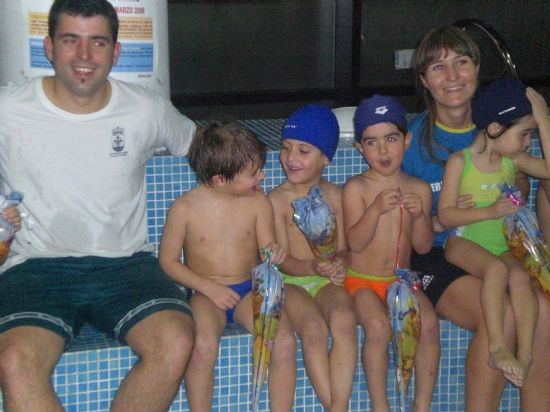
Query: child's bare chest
223	222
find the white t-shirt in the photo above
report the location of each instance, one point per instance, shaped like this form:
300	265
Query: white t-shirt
82	176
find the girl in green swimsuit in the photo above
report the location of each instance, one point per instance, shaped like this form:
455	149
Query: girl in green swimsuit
506	113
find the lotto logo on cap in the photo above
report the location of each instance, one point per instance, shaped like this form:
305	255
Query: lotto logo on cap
378	109
381	110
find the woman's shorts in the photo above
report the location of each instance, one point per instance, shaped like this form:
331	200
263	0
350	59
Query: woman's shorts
435	272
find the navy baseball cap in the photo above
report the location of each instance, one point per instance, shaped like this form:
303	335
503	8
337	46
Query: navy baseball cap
314	124
502	101
378	109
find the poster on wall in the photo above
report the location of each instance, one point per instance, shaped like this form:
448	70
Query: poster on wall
143	34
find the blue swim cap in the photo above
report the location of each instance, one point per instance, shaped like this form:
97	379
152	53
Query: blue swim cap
502	101
378	109
314	124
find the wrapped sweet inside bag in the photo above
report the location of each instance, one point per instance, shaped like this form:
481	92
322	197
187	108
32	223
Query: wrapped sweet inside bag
525	239
404	314
267	302
317	221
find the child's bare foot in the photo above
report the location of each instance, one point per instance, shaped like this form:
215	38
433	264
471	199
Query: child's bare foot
525	363
505	361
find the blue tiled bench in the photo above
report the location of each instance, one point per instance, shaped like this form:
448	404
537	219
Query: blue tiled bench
88	375
90	372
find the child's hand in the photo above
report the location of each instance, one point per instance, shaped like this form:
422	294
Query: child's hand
278	255
334	269
538	104
386	200
436	224
412	203
339	272
465	202
323	267
500	208
13	217
222	296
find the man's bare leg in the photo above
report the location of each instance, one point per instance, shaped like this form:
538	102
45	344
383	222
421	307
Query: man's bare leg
28	355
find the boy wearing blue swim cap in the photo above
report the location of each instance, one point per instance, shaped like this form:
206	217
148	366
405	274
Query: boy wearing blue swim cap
315	299
386	215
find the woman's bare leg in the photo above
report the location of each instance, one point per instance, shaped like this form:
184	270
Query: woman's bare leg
535	393
460	304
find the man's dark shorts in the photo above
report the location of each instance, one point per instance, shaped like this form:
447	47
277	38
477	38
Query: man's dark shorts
112	294
435	272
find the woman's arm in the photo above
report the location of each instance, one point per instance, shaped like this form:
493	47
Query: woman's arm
422	231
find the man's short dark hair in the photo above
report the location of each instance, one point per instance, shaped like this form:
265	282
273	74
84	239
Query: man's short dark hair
224	148
85	8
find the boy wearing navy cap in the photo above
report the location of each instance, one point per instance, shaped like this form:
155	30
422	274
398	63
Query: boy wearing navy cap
315	299
506	113
386	214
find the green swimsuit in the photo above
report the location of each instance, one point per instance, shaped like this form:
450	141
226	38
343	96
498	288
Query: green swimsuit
485	189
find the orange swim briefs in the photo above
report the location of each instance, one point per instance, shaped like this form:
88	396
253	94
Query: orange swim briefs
378	284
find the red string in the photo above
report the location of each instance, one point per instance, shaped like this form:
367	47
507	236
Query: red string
401	207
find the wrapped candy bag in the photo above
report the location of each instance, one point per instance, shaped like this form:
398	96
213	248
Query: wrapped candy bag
267	301
525	239
316	220
7	231
404	316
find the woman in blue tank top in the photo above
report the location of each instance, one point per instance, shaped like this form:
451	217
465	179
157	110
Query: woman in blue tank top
447	65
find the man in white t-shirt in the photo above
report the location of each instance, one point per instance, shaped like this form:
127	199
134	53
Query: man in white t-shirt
76	145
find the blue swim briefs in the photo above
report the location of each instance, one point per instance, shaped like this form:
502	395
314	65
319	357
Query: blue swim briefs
242	289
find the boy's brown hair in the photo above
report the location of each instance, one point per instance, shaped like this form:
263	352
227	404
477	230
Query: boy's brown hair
225	148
